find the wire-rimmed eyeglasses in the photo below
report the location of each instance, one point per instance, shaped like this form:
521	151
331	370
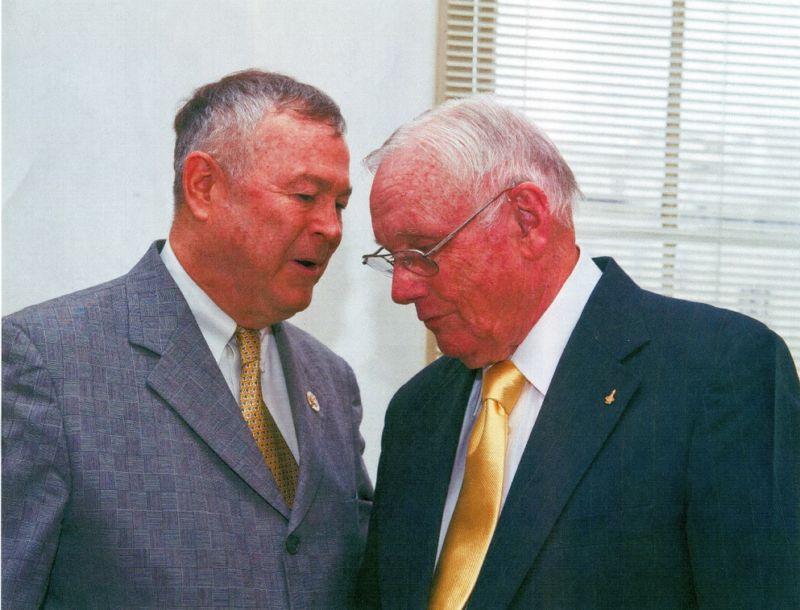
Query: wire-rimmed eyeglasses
416	261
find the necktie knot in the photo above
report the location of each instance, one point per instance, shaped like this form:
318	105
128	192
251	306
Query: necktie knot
503	383
249	340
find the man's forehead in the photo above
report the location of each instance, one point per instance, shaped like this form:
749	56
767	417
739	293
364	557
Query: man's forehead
415	168
287	127
404	216
416	187
308	151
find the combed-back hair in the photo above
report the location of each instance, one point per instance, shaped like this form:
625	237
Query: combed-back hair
220	117
487	147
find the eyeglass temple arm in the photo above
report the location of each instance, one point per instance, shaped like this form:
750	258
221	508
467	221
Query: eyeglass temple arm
444	242
364	257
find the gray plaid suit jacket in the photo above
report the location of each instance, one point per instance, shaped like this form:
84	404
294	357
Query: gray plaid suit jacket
130	478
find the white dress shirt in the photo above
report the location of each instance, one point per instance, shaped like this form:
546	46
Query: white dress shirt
536	358
218	329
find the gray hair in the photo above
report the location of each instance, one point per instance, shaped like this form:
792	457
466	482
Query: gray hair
220	117
488	147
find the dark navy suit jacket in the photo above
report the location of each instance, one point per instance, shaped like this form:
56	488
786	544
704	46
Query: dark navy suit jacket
130	478
683	492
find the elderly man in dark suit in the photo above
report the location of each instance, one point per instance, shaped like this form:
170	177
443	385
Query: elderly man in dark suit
170	441
583	443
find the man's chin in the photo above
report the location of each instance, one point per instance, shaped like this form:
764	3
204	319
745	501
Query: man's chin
452	348
297	306
272	313
471	355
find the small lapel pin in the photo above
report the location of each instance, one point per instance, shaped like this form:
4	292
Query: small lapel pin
312	401
611	397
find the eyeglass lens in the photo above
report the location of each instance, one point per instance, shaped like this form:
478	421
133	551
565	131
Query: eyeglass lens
411	260
416	262
380	264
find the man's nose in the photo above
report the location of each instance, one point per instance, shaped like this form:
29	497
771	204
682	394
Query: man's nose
328	222
407	287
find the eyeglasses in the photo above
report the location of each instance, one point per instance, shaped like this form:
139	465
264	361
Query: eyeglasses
416	261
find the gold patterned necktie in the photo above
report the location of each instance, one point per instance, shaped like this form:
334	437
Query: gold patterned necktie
265	431
478	507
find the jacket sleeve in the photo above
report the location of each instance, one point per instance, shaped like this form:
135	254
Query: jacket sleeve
367	583
368	595
744	476
36	479
363	484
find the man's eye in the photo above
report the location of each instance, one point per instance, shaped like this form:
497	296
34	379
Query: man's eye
304	197
403	259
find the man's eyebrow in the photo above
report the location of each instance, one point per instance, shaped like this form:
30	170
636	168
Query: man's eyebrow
411	235
319	181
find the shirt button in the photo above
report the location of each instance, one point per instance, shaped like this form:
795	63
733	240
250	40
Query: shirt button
292	544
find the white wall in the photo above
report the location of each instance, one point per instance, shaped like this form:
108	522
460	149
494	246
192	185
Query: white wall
90	88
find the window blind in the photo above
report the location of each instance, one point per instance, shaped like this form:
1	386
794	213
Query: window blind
681	121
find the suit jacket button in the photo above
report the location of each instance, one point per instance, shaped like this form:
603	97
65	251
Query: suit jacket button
292	544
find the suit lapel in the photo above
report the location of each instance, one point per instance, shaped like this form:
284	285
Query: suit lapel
430	434
307	423
572	427
188	378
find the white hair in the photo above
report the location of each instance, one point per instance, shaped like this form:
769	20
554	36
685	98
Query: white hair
488	147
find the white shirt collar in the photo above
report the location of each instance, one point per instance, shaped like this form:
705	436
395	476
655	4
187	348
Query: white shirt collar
216	326
538	355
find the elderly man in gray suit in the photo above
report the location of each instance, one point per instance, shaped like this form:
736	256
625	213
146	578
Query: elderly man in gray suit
168	440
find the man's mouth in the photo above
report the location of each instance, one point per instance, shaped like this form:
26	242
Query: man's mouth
432	320
309	264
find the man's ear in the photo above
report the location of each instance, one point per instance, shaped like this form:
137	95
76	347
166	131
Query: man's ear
532	213
202	180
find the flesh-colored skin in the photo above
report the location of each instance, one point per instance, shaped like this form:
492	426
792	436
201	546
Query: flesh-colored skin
258	246
494	281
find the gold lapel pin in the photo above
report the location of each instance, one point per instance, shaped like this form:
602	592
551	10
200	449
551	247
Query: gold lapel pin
611	397
312	401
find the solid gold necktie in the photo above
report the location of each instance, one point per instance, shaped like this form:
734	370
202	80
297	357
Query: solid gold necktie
265	431
478	506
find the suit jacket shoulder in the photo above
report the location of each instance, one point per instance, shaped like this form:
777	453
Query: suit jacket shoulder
145	294
312	349
428	384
